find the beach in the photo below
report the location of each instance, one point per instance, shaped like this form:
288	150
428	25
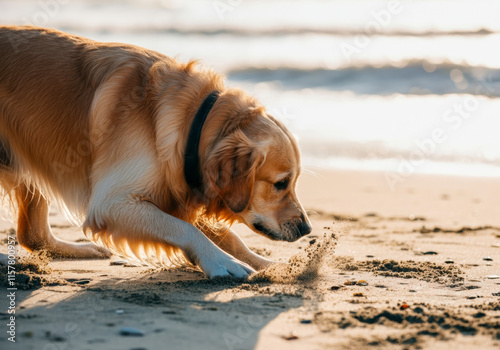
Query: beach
395	107
412	268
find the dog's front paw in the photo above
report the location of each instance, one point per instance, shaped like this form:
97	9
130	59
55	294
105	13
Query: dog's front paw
225	265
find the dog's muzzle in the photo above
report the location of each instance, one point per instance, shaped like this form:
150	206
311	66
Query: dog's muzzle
290	231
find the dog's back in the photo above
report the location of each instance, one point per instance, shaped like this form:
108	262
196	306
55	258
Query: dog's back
49	81
42	104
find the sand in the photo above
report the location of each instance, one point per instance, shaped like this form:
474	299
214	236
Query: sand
383	269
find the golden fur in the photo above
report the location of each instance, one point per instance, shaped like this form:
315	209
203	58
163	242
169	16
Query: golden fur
102	128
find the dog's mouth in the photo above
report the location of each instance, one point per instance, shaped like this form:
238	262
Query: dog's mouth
265	231
291	231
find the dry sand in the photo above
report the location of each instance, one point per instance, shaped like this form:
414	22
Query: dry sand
383	269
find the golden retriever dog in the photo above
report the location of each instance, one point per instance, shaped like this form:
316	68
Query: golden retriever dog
154	158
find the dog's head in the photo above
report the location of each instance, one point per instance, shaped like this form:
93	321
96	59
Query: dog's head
253	168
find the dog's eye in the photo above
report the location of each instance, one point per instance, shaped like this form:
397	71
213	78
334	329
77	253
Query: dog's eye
281	185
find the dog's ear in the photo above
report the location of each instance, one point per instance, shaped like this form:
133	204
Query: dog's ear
231	171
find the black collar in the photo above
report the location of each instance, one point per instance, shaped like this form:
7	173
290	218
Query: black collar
192	172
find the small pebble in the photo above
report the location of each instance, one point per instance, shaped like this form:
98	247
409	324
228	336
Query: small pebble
412	291
448	261
472	287
493	277
496	294
312	241
119	312
306	321
54	337
370	256
487	258
361	283
404	306
134	332
169	312
430	252
118	263
335	287
358	295
290	337
471	297
350	283
82	282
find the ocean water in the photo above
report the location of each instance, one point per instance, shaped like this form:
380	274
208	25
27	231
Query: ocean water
402	87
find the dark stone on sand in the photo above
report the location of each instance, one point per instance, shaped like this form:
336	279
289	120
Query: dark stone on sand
409	341
418	310
131	332
465	330
370	319
169	312
82	282
428	332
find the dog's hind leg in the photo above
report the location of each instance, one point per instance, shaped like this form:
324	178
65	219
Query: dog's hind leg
231	243
34	233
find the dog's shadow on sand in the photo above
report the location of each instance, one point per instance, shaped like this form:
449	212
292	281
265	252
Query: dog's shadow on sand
173	309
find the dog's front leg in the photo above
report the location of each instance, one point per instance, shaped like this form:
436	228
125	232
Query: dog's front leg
230	242
128	217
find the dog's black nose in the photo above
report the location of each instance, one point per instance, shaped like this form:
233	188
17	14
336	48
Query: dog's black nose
304	228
